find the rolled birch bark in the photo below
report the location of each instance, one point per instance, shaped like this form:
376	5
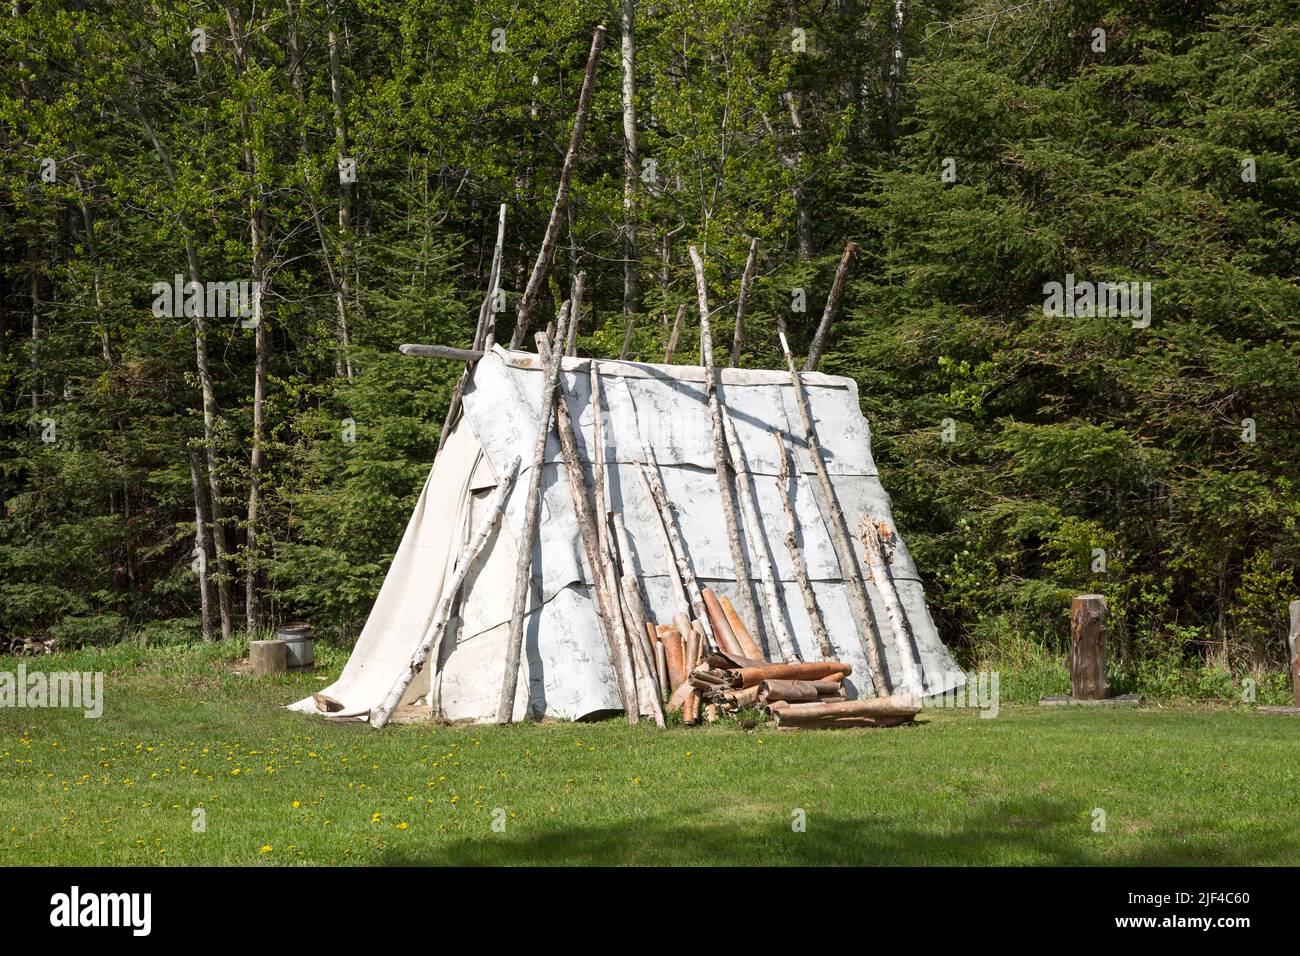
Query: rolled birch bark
722	632
748	647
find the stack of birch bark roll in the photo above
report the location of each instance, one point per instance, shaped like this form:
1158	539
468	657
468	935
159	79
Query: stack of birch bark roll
737	676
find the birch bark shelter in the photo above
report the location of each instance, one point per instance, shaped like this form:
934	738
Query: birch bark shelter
617	412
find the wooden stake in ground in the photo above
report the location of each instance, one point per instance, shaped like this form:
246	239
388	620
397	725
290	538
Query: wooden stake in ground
838	528
742	303
672	339
828	315
532	513
582	509
720	462
1293	640
528	301
1088	647
878	542
431	641
758	547
796	556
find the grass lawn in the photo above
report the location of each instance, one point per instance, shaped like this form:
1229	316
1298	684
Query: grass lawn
181	731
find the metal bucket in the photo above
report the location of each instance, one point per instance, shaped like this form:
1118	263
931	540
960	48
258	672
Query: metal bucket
299	643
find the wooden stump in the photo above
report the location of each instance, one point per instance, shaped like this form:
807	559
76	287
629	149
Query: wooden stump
1088	647
1294	640
268	657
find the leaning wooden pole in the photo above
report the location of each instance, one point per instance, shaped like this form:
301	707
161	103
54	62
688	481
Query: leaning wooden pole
528	301
742	303
582	509
828	315
431	641
838	527
483	332
609	564
758	547
677	330
720	461
532	513
579	288
878	542
796	554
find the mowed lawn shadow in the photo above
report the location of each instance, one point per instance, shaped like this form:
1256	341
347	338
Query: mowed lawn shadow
1012	832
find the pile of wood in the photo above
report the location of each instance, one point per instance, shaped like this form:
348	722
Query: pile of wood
805	695
27	645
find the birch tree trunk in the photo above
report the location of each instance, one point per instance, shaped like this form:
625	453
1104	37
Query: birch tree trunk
225	595
201	544
631	291
256	229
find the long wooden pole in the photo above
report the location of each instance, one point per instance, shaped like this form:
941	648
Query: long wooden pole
720	461
758	547
641	649
742	303
528	301
582	509
796	555
433	634
878	542
671	559
838	528
532	512
828	315
482	332
612	587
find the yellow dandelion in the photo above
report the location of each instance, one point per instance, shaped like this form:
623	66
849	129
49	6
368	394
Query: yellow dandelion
266	849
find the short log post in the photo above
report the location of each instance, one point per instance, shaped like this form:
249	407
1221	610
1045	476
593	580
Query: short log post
268	657
1088	647
1294	640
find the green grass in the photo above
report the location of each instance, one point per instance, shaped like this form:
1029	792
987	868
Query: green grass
1179	785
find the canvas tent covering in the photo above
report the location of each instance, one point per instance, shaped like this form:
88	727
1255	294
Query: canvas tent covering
662	408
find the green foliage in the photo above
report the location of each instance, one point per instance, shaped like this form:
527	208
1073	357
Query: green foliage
1079	442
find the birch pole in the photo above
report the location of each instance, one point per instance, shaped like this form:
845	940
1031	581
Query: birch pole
587	526
672	339
828	314
528	301
796	556
606	548
627	29
758	546
720	462
431	640
482	331
742	303
878	540
575	312
838	530
532	512
634	609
